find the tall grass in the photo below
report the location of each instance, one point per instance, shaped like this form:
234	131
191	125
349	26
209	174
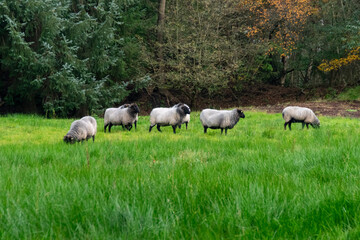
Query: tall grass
259	181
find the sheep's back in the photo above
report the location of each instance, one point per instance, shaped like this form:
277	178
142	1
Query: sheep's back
298	113
215	118
92	122
108	113
164	116
118	116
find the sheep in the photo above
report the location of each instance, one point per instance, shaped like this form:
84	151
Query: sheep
186	119
304	115
93	122
168	116
121	116
223	119
126	105
81	130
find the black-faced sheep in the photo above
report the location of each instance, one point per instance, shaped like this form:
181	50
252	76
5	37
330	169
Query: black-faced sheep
81	130
121	116
126	105
186	119
300	114
168	116
223	119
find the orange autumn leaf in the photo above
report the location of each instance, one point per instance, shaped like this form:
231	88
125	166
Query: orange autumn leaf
280	22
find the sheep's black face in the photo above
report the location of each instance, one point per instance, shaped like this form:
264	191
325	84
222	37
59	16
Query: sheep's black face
185	109
241	113
135	108
69	139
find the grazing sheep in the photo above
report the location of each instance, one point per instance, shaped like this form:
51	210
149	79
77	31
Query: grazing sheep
223	119
93	122
121	116
168	116
81	130
186	119
300	114
126	105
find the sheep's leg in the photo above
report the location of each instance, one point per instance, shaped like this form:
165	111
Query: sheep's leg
179	126
285	125
135	124
174	129
105	126
222	130
307	126
290	126
128	127
205	129
110	125
303	125
158	127
150	128
186	125
93	137
226	131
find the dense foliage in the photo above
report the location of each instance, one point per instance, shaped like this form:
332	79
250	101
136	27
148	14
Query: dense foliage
72	57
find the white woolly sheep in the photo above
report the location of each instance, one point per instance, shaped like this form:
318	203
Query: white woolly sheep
300	114
121	116
93	122
186	119
168	116
81	130
223	119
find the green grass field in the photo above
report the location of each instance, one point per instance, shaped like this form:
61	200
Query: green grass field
259	181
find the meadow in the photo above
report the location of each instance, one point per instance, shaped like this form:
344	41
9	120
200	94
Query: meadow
259	181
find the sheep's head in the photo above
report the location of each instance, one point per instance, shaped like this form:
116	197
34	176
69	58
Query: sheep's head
185	108
134	107
316	124
69	139
241	113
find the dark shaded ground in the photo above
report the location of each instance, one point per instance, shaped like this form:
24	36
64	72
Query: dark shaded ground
273	99
329	108
267	98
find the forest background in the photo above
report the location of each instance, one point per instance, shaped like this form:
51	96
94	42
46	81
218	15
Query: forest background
65	58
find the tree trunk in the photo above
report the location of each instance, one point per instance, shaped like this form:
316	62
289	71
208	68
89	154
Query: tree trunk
307	77
284	71
160	38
